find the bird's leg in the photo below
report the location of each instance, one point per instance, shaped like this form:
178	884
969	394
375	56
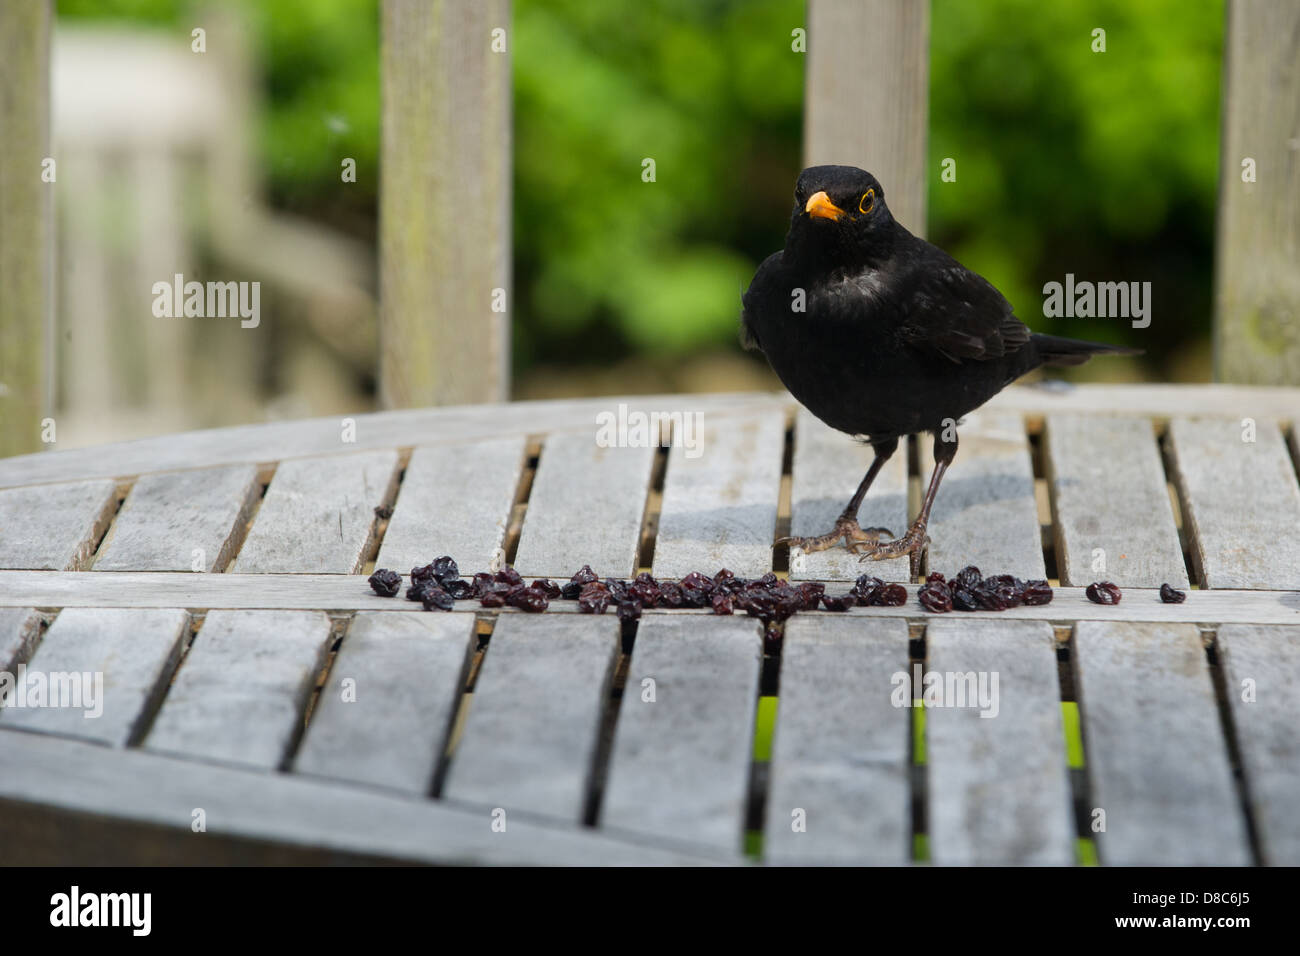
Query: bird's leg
914	540
846	525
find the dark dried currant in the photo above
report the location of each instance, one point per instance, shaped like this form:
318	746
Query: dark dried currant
1037	593
968	577
594	599
493	599
935	597
963	599
547	587
723	604
570	590
436	597
840	602
444	568
385	583
1104	592
629	609
890	595
1171	595
585	575
509	576
865	589
934	577
458	588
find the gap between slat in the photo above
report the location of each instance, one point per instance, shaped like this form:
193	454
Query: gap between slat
1229	726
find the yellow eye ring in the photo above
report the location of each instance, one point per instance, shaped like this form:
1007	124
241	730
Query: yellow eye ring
868	201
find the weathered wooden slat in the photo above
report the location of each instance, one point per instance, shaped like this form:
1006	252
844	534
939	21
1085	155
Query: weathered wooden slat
26	225
1109	492
240	694
1257	243
985	513
680	763
1154	747
1262	677
20	629
318	515
332	592
998	783
183	521
388	725
54	527
133	652
585	507
720	499
534	719
880	45
840	750
454	500
281	441
828	466
1240	501
67	802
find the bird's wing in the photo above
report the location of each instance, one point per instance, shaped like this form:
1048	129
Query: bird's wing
958	314
751	300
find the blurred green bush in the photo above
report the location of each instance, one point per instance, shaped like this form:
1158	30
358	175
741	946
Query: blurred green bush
1100	164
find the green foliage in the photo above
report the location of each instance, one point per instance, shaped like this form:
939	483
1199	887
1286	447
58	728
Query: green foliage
1100	164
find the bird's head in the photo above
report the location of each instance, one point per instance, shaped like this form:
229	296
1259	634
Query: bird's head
839	211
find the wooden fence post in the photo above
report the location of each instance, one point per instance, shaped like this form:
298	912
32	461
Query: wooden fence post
1257	269
444	243
25	224
866	99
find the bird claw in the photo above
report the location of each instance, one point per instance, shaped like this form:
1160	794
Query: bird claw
846	529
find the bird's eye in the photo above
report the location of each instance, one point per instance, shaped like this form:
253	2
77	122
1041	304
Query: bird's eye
868	201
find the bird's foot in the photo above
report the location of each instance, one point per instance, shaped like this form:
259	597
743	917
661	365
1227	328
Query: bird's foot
846	530
913	544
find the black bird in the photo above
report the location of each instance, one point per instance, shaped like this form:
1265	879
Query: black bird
882	335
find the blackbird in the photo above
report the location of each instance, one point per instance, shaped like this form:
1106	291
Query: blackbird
882	335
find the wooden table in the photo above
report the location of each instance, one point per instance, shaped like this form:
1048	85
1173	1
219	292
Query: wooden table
261	704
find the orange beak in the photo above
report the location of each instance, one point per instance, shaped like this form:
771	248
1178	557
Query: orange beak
820	207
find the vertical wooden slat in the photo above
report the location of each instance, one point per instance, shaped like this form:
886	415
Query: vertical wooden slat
719	504
1257	294
25	228
444	202
534	721
133	650
828	466
680	765
840	750
1262	681
387	727
54	527
20	627
866	99
1240	501
585	508
1109	492
985	513
999	787
1154	747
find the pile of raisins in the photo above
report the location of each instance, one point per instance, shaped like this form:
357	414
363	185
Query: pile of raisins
438	585
969	590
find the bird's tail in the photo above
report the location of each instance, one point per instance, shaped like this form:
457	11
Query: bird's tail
1054	350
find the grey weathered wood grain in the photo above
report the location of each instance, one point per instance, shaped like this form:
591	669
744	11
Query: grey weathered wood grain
828	465
999	787
1240	500
1109	492
26	225
880	46
1257	246
1154	747
54	527
344	593
68	802
406	673
240	693
445	150
456	500
534	719
840	750
680	764
1269	659
318	515
135	650
985	513
720	499
585	507
20	629
302	438
171	522
282	441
